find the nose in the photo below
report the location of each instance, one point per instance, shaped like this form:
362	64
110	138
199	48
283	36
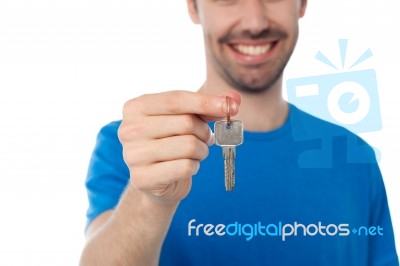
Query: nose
254	16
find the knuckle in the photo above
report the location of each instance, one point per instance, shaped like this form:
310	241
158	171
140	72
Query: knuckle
128	106
131	130
129	157
192	144
188	123
135	129
126	131
188	167
137	155
133	105
205	103
123	133
174	102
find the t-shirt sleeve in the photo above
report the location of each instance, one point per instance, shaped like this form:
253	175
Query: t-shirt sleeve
382	248
107	174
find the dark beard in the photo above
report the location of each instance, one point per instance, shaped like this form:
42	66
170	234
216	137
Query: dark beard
255	86
248	88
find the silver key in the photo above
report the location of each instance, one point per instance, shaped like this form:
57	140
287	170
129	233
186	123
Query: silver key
228	136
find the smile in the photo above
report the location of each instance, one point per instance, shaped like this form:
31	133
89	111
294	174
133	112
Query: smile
253	54
252	50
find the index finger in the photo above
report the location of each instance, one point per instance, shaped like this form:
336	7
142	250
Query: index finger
186	102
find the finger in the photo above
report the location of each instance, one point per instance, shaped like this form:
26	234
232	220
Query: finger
180	102
156	127
163	173
233	95
167	149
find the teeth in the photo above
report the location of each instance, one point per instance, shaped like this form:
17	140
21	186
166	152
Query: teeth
252	50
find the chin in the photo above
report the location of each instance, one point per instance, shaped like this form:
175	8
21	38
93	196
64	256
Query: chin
258	90
255	85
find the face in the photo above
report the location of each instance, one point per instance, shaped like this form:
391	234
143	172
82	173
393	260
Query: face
248	42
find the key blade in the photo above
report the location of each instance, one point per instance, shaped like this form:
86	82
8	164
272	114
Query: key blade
226	150
229	163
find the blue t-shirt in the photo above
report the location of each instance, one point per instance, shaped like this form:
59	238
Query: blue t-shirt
307	193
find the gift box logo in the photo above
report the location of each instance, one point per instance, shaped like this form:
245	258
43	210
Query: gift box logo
347	98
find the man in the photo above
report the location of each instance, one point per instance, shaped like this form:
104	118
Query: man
151	202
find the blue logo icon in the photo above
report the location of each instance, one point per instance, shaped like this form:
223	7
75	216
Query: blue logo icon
348	98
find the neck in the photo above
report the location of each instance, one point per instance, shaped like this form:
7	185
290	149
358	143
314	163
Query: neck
263	111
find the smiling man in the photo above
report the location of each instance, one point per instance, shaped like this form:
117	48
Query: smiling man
155	180
247	44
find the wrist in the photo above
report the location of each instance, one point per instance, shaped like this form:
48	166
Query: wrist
149	205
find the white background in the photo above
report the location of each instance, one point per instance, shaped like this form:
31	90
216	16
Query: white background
67	67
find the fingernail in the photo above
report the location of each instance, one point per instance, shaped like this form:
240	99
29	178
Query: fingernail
232	106
197	167
211	139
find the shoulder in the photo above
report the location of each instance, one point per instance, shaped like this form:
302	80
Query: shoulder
107	158
108	148
303	122
107	173
306	127
108	134
110	128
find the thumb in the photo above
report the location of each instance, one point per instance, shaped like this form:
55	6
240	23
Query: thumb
234	102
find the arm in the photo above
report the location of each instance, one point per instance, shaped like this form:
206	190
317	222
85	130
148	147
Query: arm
382	247
164	138
130	235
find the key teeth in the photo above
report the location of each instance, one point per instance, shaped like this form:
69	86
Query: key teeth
229	155
229	185
229	189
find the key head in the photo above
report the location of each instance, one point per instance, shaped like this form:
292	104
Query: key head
228	135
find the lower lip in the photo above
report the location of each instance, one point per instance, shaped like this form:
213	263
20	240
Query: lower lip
253	59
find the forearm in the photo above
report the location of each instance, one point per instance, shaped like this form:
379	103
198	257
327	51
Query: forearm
164	137
133	235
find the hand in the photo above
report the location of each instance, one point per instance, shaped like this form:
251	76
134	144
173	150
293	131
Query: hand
165	136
